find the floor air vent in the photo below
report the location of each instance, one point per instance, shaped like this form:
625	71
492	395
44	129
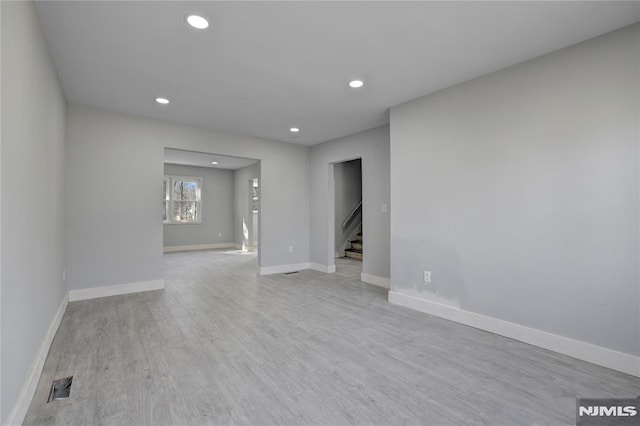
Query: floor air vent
60	389
289	273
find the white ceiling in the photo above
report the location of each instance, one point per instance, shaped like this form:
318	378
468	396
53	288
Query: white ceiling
263	67
199	159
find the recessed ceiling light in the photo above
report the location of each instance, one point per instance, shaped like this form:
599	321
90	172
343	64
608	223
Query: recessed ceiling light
356	84
198	22
162	101
294	130
214	162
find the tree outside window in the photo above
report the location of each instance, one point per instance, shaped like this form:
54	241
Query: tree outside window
182	200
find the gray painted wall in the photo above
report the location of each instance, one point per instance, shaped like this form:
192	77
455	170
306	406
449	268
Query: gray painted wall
217	208
519	191
373	147
347	177
241	217
117	159
33	196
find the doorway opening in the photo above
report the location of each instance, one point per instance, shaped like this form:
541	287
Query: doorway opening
348	242
250	227
207	204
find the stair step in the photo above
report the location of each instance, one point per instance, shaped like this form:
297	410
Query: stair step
353	254
356	245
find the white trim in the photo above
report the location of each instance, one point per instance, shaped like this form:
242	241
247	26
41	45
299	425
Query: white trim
329	269
375	280
280	269
17	415
115	290
172	249
615	360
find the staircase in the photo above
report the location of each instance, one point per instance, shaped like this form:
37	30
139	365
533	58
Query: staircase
355	252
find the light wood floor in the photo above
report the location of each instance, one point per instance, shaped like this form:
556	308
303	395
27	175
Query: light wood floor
222	346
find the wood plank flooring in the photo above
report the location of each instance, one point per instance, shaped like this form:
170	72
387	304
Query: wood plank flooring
221	346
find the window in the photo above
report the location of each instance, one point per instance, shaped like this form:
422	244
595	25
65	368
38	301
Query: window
182	200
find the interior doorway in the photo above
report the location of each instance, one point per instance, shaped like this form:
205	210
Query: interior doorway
207	204
348	241
251	241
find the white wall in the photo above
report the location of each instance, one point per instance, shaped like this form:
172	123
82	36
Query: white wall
241	217
217	208
519	191
1	133
373	147
33	195
117	159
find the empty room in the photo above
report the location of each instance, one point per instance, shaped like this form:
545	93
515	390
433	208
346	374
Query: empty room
320	213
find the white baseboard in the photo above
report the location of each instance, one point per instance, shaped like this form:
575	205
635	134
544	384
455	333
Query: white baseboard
115	290
329	269
375	280
614	360
172	249
16	417
280	269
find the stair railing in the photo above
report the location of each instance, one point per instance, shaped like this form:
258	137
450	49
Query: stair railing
352	215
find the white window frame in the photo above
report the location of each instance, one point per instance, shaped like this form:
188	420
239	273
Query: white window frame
169	201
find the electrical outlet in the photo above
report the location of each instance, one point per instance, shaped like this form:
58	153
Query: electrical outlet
384	208
427	276
290	249
219	234
64	275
